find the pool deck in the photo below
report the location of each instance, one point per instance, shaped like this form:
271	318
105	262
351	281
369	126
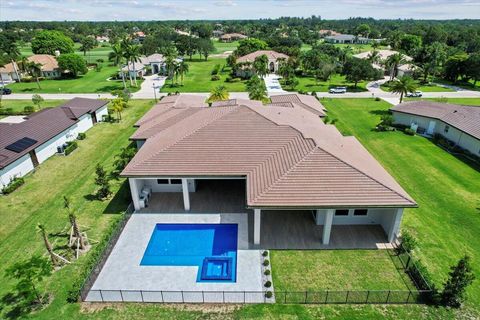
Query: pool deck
122	270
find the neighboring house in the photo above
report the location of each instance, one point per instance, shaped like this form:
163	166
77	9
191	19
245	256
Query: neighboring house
156	62
457	123
346	39
282	154
327	32
102	39
217	33
229	37
8	73
50	68
138	36
24	145
137	68
273	60
407	69
402	70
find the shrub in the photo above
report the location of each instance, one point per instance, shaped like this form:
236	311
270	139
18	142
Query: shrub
100	60
265	253
377	99
408	242
268	284
29	109
216	69
409	131
268	294
13	185
460	277
420	275
314	93
81	136
267	272
9	111
301	91
98	68
266	262
215	78
71	145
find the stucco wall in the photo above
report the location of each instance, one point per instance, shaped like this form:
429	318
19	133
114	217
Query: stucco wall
84	123
103	111
18	168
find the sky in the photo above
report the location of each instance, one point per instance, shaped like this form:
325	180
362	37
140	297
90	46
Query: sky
109	10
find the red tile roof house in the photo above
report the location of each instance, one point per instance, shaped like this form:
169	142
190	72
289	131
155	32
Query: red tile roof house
457	123
25	145
282	157
273	59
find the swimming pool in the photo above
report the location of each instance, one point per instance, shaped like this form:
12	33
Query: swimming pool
210	247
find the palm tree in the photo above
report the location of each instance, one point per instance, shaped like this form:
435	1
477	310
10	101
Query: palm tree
260	64
125	45
170	66
35	69
116	55
256	89
218	94
48	245
134	54
182	70
403	86
117	106
393	62
73	223
373	56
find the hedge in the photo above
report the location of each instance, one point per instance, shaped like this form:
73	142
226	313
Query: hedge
14	184
72	145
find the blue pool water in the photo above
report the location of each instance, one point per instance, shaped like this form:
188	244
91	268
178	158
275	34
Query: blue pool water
211	247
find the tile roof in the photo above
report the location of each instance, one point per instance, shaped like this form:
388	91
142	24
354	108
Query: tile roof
383	54
48	62
272	55
43	126
9	67
464	118
305	101
289	156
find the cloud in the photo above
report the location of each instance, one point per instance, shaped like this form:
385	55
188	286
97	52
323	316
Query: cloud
225	3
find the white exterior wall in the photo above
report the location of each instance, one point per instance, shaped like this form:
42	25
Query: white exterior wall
18	168
84	123
101	112
462	139
155	187
49	148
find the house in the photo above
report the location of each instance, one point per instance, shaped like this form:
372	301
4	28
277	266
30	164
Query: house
156	62
327	32
25	145
138	36
403	69
273	60
132	69
50	68
102	39
346	38
457	123
229	37
9	72
217	33
281	156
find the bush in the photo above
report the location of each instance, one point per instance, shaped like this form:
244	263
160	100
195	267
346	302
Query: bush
409	131
100	60
377	99
420	275
268	294
216	69
265	253
9	111
29	109
266	262
267	272
215	78
408	242
13	185
71	145
81	136
268	284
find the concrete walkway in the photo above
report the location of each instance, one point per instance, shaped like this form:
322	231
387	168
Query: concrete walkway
272	84
149	85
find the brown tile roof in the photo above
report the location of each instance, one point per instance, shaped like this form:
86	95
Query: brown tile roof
290	158
272	55
233	35
48	62
305	101
9	68
44	125
464	118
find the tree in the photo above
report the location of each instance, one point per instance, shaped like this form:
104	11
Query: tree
75	235
122	159
47	42
455	66
132	54
256	89
460	277
73	63
182	70
203	30
325	71
29	273
205	47
118	104
116	55
101	180
356	70
403	86
250	45
364	30
48	245
473	70
35	70
37	100
393	62
87	44
260	65
219	93
410	44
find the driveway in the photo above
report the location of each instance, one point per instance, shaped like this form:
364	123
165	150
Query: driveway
149	85
272	83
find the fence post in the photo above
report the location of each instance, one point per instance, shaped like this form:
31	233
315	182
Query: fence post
346	299
388	296
141	294
161	294
183	299
203	296
121	295
368	294
306	295
101	295
326	297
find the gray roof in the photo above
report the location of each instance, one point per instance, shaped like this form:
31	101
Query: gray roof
464	118
345	37
43	126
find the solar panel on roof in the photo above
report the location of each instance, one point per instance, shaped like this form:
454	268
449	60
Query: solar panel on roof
21	144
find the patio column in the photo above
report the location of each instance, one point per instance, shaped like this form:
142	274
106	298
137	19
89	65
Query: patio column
134	192
186	195
256	225
395	225
327	226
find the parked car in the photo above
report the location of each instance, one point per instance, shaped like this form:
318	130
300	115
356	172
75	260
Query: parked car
416	94
5	91
338	90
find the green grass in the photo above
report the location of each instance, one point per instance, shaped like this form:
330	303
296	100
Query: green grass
198	78
92	82
221	47
310	84
464	101
424	88
462	84
19	105
100	52
319	270
447	222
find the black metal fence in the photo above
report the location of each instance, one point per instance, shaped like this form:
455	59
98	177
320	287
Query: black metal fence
92	277
280	297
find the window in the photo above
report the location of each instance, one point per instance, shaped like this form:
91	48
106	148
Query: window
176	181
169	181
446	129
360	212
162	181
341	212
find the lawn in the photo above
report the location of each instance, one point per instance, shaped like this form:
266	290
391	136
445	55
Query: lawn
423	87
319	270
100	52
19	105
92	82
447	222
310	84
221	47
464	101
198	78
